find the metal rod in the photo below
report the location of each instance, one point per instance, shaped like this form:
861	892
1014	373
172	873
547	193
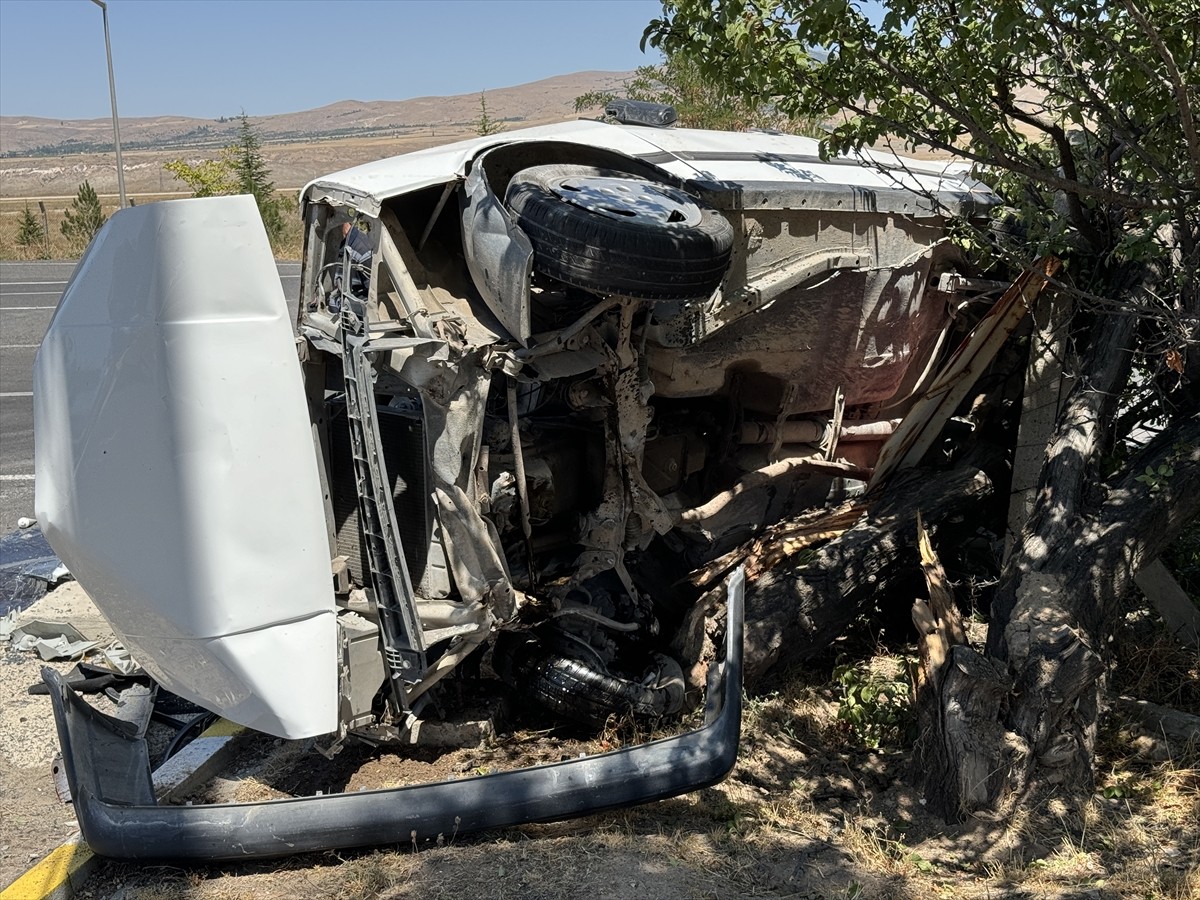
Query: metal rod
519	465
437	211
112	92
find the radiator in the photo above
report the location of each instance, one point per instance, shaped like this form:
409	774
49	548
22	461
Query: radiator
403	439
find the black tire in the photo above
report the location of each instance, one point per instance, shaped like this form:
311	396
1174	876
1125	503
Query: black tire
615	233
576	691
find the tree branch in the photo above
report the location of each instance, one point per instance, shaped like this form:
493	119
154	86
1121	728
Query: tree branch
1176	82
1066	157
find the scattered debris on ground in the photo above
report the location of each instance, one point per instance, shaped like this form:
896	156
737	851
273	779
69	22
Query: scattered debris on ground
810	811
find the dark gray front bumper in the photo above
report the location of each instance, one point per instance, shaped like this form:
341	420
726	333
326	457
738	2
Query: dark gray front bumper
109	774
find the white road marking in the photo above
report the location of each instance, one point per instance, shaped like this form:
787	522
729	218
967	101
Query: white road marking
16	393
16	478
19	346
25	308
28	283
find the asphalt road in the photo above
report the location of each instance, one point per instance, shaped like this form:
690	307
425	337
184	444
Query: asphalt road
29	292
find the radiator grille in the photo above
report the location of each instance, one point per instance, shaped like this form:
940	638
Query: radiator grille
403	441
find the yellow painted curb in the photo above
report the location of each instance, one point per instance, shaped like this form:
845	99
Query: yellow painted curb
62	871
223	728
58	875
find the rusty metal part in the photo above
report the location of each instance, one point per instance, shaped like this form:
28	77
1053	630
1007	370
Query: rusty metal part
923	424
869	431
813	431
795	431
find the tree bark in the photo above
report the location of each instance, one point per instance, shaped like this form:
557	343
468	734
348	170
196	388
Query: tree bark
1052	615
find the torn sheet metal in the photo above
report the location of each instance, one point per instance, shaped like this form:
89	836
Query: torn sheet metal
452	435
921	427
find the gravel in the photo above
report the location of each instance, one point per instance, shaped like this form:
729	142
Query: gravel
27	735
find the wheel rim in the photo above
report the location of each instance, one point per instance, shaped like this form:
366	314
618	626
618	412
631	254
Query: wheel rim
625	199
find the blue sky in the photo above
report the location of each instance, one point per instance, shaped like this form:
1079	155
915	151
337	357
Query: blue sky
208	58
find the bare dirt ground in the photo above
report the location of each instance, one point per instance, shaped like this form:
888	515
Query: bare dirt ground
26	182
32	819
292	164
808	812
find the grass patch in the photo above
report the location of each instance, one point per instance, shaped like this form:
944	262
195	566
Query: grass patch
57	246
807	813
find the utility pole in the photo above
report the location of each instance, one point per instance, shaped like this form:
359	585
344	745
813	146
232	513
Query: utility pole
112	92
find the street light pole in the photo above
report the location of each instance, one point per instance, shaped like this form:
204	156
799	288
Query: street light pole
112	91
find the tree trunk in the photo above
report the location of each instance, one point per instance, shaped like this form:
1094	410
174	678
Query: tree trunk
1029	710
1061	615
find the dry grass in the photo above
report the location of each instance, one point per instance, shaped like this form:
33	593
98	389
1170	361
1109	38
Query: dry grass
804	815
370	876
260	782
1151	665
57	246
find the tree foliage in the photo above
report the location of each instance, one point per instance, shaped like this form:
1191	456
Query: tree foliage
485	124
206	178
1082	115
701	100
252	176
84	218
30	234
240	168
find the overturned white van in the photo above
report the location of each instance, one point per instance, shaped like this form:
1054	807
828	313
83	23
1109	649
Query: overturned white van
526	373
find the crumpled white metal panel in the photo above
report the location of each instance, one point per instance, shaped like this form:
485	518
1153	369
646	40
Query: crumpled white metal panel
723	156
372	183
175	470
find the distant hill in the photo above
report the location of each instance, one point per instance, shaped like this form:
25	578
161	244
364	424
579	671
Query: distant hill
548	100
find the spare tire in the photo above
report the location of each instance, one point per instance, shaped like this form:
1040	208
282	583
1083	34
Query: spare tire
615	233
576	690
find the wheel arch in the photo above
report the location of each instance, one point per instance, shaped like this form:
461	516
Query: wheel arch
499	256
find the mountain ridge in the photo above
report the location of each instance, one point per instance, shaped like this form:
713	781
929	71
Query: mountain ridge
548	99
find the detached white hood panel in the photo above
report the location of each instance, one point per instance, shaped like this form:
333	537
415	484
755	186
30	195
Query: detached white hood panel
175	469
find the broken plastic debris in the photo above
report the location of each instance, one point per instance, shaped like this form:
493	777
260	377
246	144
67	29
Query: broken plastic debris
61	640
61	648
118	658
8	624
52	640
47	630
